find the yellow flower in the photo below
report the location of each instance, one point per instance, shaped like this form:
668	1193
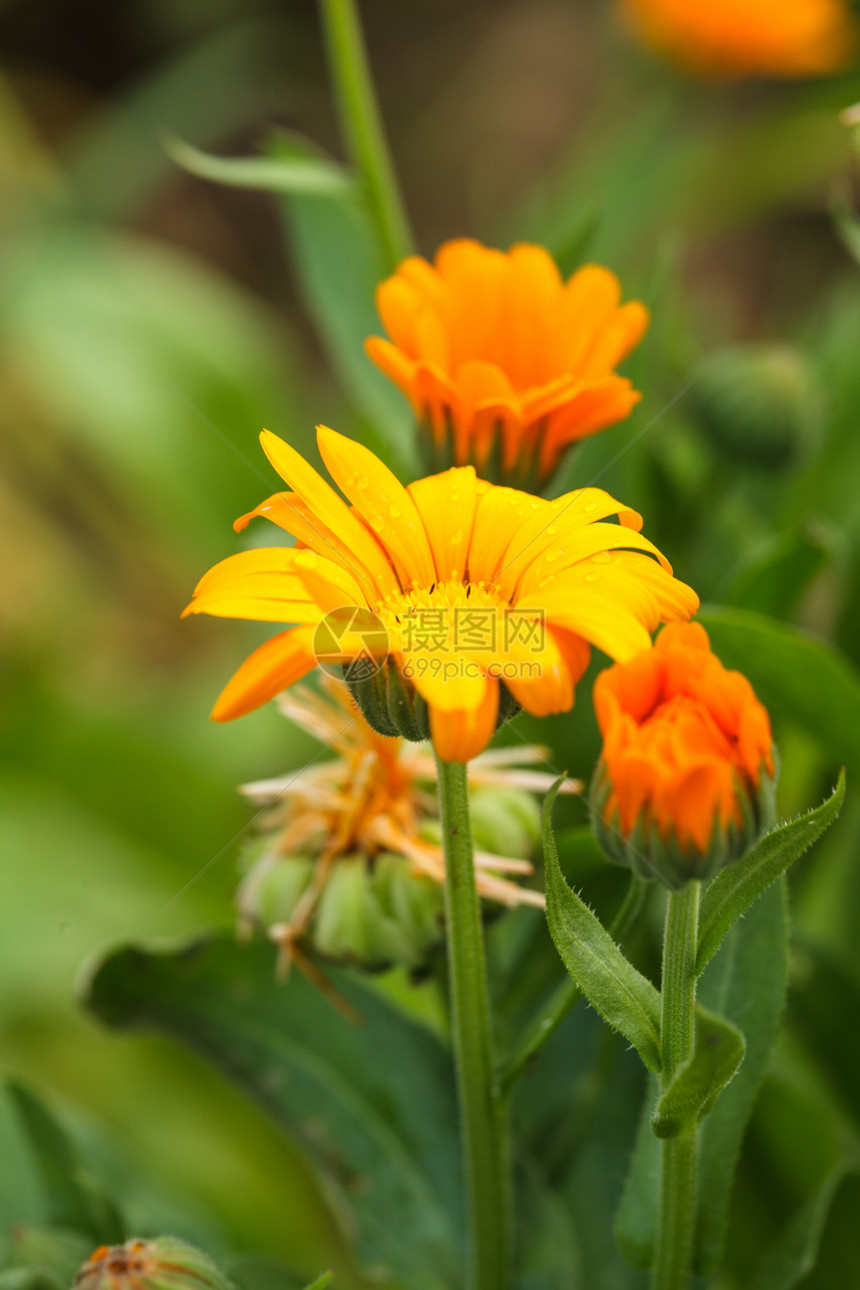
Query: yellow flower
505	361
349	859
750	37
453	590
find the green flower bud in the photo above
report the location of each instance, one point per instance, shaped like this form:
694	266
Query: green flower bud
761	404
505	821
161	1264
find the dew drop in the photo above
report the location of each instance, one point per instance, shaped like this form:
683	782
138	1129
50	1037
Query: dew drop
362	482
457	538
306	559
552	530
394	512
592	577
552	556
592	506
377	523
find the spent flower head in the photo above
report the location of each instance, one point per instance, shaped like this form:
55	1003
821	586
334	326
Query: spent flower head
349	860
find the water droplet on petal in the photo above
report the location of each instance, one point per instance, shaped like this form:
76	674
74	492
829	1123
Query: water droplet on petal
394	512
552	556
592	577
306	559
377	523
457	538
592	506
363	482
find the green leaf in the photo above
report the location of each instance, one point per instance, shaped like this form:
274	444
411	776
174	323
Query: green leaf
718	1052
735	888
845	219
636	1220
745	983
72	1198
793	675
340	262
796	1253
370	1096
321	1282
610	982
773	582
827	992
312	176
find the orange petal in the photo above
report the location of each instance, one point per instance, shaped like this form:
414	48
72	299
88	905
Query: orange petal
462	733
273	667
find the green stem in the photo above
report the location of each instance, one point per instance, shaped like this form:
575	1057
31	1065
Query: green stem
481	1113
566	995
676	1229
362	125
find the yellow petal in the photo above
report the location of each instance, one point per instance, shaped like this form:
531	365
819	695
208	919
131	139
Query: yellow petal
290	513
273	667
500	513
367	561
560	546
383	503
446	504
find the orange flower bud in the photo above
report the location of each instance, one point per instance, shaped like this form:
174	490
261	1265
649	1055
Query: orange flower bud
686	779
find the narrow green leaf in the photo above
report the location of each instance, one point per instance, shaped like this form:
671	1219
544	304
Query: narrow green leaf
794	675
73	1200
312	175
735	888
623	996
371	1097
795	1254
717	1054
320	1282
746	984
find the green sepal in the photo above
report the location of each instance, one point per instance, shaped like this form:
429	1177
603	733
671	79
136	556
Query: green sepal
733	890
625	999
321	1281
718	1052
392	706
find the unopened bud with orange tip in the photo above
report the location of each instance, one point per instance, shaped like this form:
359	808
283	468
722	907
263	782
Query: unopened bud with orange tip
685	782
161	1264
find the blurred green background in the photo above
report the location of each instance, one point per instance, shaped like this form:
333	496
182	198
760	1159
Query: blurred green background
151	324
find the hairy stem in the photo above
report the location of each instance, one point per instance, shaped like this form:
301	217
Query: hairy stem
676	1228
481	1112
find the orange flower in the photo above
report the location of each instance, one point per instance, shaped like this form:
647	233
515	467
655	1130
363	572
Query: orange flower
449	602
750	37
687	767
503	359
